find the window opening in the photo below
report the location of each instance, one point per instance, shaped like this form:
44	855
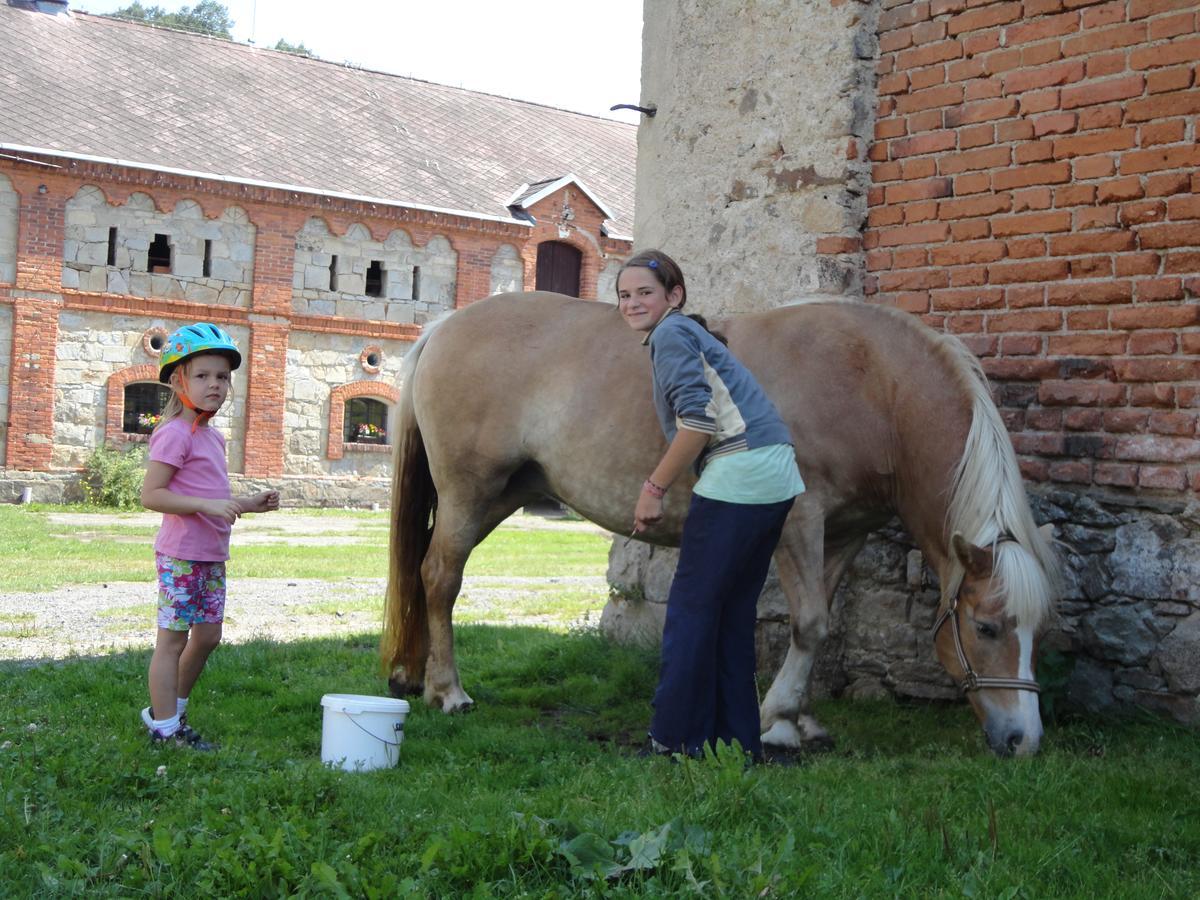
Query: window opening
144	402
206	271
375	279
416	290
112	245
333	272
159	257
366	421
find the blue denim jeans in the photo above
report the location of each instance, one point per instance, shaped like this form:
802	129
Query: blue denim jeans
706	690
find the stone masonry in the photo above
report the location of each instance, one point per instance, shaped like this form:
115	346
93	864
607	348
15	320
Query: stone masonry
317	364
1021	174
210	261
331	275
92	347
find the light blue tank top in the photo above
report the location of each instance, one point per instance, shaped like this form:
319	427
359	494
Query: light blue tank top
762	475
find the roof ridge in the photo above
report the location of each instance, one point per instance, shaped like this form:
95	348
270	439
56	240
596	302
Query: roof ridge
355	67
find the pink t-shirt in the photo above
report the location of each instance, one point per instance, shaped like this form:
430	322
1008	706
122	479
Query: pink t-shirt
199	461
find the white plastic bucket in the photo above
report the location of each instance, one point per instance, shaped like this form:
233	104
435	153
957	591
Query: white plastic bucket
359	733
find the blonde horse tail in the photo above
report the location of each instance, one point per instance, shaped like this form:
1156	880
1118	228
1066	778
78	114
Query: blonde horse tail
405	640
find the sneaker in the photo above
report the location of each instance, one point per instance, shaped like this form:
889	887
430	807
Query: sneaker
184	737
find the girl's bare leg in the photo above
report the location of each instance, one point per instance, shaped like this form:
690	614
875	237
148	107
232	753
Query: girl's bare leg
204	639
164	672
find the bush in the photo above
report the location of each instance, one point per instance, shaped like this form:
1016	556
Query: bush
113	477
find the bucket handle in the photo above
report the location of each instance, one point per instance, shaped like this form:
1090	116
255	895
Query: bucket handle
398	727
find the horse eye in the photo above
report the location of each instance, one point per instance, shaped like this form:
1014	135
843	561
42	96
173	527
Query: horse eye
987	630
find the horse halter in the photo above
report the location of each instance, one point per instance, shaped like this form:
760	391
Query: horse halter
972	681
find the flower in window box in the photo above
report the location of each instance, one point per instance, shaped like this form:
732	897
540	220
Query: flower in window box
368	432
147	421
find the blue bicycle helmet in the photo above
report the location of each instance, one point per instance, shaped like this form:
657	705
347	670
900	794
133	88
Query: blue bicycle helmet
192	340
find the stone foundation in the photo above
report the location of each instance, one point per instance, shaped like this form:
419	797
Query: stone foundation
1127	627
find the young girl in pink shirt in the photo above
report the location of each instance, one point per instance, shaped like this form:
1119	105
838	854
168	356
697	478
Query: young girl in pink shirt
187	481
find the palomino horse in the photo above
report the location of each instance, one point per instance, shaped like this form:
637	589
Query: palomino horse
523	396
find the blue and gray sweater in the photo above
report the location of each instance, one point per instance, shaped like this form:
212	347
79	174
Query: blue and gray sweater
701	386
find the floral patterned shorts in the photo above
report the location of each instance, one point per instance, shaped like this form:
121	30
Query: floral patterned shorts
189	592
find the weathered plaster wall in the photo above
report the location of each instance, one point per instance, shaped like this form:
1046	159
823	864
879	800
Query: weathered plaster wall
316	364
230	249
757	150
6	345
508	271
92	346
8	231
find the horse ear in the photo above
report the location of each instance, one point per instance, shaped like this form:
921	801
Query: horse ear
976	560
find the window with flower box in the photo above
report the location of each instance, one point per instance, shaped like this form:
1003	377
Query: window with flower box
365	421
144	402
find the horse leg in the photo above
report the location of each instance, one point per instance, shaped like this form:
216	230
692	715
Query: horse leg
809	573
458	528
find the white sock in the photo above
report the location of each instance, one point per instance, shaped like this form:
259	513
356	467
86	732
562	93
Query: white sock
180	705
165	727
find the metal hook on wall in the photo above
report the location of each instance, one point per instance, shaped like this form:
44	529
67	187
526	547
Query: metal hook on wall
647	111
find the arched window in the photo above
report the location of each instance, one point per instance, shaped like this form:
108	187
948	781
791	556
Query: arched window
144	402
365	421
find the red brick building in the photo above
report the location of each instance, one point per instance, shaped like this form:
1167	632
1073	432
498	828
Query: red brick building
318	212
1036	190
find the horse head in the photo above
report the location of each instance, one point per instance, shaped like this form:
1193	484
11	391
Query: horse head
987	640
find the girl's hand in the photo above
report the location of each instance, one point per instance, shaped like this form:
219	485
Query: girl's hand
261	502
229	510
649	511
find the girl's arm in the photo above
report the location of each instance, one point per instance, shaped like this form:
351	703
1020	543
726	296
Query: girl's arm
156	496
684	449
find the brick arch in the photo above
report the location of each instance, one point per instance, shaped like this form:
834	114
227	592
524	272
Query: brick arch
115	404
337	408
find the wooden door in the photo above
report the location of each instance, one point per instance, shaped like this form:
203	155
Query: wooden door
558	266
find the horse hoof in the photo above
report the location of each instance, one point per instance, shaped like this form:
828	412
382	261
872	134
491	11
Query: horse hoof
399	686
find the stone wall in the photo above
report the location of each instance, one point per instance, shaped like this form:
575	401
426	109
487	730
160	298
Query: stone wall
316	364
6	351
92	346
507	270
211	261
757	152
8	231
416	283
754	174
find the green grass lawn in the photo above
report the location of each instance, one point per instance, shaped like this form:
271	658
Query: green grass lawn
37	555
538	793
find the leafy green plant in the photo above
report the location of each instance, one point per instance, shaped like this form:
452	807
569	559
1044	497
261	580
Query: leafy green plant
113	477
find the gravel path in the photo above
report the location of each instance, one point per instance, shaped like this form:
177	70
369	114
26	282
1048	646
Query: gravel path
85	620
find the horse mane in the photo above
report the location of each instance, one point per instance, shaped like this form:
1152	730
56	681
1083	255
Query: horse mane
988	502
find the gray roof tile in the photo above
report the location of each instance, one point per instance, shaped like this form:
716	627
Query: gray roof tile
97	86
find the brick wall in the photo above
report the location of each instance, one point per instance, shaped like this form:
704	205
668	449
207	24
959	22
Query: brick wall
1036	191
37	297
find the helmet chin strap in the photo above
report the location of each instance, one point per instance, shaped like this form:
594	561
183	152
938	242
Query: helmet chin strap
202	415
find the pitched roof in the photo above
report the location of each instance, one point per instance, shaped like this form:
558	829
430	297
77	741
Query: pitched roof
93	86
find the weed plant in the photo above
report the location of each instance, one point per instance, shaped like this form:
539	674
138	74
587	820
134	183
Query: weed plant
113	476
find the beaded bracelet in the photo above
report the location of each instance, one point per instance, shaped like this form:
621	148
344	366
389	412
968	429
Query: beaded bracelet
654	490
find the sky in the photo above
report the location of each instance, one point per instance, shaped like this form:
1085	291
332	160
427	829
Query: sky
565	53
